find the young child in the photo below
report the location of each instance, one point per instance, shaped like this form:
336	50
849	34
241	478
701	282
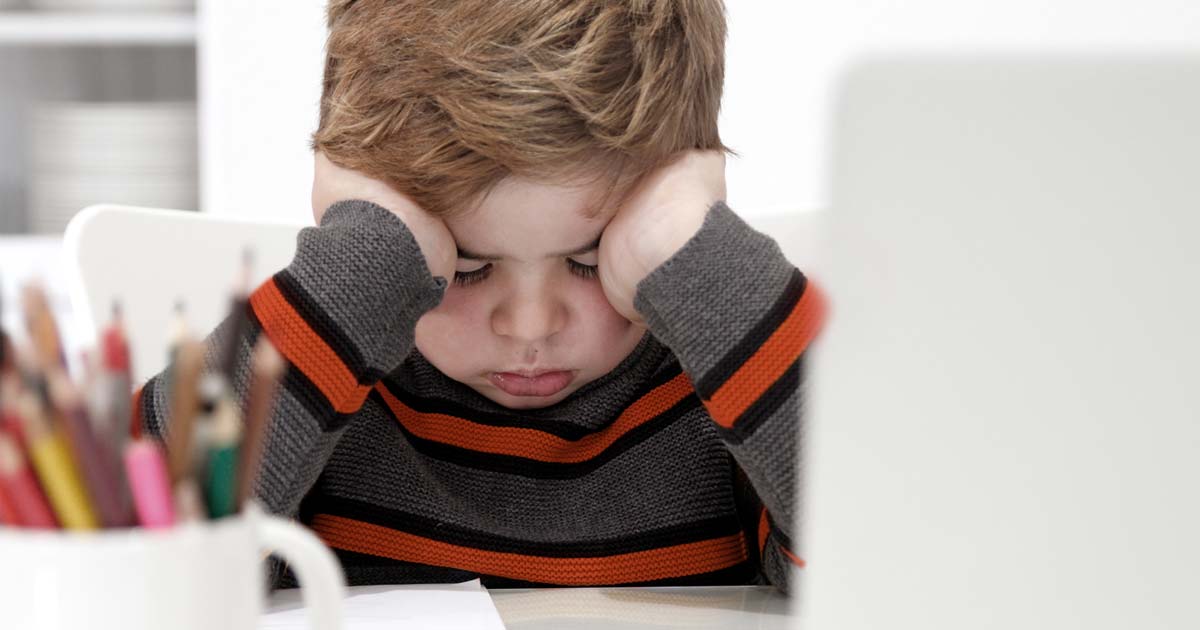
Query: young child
528	341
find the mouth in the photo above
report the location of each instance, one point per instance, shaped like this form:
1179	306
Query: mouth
532	382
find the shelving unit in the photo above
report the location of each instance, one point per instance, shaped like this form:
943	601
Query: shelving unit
96	56
33	28
54	56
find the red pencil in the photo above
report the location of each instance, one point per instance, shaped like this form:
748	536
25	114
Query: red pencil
8	512
22	489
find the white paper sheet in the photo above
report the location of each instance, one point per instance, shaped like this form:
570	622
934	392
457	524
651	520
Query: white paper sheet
406	607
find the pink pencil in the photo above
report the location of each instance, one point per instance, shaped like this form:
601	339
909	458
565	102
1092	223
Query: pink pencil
151	486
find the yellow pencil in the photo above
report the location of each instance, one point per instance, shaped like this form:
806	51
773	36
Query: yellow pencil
55	469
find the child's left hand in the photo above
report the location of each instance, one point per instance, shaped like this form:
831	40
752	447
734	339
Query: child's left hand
658	218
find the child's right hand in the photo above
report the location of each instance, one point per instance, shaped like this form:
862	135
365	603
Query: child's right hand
332	183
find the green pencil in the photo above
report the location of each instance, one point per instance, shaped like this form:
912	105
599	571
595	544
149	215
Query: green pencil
220	486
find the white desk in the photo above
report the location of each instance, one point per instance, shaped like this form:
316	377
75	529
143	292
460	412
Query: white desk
718	607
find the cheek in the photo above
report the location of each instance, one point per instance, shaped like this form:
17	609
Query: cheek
455	326
593	310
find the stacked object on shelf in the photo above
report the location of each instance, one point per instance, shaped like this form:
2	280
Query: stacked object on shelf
141	154
113	5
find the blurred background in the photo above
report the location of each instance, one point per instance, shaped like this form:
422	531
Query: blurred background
207	105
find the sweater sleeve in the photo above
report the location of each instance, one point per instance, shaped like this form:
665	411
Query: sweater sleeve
740	318
342	314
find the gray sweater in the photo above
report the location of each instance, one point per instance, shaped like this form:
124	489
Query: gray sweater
678	467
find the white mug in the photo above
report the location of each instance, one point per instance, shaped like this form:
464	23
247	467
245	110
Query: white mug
190	577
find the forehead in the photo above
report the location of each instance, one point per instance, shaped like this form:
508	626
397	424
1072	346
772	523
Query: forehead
522	218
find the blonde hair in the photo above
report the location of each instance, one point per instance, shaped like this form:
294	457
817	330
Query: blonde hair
441	99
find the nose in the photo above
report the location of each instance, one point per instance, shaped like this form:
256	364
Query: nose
529	315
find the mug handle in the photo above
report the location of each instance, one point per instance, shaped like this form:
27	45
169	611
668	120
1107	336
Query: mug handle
322	583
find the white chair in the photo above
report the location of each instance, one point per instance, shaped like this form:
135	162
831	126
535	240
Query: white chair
147	259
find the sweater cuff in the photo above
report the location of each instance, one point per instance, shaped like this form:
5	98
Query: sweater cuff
720	298
345	310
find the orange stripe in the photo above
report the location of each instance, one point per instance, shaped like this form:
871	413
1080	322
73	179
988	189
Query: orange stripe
799	562
532	443
770	361
640	566
306	350
764	530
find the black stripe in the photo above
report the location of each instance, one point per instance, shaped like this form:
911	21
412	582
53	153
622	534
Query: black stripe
305	392
785	387
364	569
753	340
556	428
538	469
437	529
315	316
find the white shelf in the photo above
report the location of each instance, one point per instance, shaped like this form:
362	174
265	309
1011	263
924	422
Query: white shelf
98	29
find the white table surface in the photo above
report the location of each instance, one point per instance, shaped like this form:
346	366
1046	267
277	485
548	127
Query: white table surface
717	607
630	608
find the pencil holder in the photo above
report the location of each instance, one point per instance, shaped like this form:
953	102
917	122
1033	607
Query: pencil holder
193	576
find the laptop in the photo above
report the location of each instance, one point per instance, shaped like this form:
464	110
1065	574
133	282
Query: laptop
1006	420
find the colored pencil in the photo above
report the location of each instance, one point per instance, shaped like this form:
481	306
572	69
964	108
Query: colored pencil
221	471
150	483
189	502
116	379
55	469
94	457
267	367
178	331
19	486
238	320
43	332
185	403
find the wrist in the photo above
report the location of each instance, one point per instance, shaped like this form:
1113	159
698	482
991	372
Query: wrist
666	236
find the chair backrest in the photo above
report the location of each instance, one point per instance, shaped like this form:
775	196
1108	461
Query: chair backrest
147	259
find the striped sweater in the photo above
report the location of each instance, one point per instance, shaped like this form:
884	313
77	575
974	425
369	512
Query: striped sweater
678	467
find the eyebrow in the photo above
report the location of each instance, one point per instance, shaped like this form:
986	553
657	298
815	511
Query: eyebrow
463	253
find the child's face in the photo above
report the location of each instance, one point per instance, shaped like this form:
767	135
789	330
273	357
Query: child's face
531	305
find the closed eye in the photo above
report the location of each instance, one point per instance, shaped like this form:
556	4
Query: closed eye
582	270
467	278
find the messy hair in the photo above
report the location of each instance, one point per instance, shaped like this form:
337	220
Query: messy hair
442	99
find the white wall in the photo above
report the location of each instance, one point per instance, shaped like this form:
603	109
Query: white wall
260	70
784	58
261	67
